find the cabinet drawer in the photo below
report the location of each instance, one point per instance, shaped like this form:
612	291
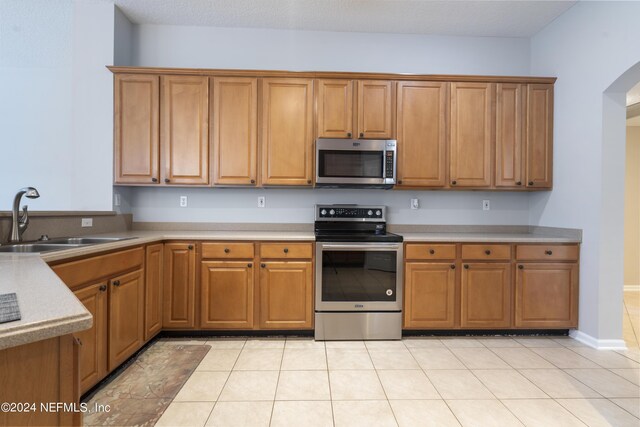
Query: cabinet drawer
428	251
495	252
92	269
547	252
227	250
286	250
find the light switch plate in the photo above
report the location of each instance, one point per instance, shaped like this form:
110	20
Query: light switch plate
415	204
262	201
486	205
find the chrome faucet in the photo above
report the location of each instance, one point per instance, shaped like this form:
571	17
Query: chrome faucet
19	225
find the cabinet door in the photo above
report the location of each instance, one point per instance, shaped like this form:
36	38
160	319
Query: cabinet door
422	133
226	295
178	302
539	135
375	107
486	295
287	131
153	290
547	295
126	316
137	144
234	130
286	298
185	129
429	295
93	348
335	108
471	134
510	130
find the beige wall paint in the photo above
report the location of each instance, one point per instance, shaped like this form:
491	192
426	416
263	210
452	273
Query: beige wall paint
632	209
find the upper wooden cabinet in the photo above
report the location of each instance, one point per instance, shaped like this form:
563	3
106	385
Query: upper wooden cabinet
539	142
510	133
136	118
422	133
287	131
372	115
471	133
178	306
234	128
184	129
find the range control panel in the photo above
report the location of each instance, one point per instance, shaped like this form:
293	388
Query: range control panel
350	213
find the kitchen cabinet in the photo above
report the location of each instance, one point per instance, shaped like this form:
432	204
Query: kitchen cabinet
372	115
539	140
546	295
126	316
42	372
178	304
510	135
422	133
184	129
286	295
93	341
136	136
227	294
429	295
154	263
234	129
485	295
287	131
471	134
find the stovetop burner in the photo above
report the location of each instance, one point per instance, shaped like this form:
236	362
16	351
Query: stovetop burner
352	223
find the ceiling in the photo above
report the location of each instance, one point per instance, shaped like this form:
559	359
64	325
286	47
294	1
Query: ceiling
452	18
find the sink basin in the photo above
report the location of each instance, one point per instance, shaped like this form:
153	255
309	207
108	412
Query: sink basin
85	240
36	247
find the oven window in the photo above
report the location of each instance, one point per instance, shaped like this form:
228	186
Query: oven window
350	164
359	276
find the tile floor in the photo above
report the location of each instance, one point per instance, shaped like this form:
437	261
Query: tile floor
413	382
631	318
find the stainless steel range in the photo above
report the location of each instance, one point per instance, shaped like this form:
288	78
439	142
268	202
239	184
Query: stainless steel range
358	274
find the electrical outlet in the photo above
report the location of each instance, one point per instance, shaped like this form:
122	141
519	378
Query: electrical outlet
183	201
415	204
486	205
116	199
87	222
262	201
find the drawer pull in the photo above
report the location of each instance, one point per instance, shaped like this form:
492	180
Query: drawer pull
530	182
249	265
154	179
103	288
116	283
521	267
488	252
263	265
466	266
519	183
454	182
253	181
548	252
432	251
286	250
227	250
167	180
190	247
361	134
348	134
453	266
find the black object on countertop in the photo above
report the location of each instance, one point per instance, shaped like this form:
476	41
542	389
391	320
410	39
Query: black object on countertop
9	310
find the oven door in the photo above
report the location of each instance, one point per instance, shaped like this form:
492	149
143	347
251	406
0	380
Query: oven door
355	162
358	276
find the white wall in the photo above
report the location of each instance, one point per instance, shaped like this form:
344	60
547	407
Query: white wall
588	48
56	110
203	47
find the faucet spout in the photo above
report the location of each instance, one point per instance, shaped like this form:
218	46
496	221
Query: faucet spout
19	222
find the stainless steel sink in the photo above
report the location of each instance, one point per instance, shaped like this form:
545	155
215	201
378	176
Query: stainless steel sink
86	240
36	247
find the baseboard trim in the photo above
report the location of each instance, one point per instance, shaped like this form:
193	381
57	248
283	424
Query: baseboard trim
596	343
634	288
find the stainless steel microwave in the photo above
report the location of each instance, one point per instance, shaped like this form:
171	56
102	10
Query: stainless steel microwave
353	163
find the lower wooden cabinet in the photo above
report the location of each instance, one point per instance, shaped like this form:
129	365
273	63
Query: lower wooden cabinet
178	305
93	341
429	295
286	295
126	316
226	295
546	295
485	295
154	269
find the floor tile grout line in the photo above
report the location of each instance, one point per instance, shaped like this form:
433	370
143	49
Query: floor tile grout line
275	392
382	385
326	355
633	329
621	407
586	385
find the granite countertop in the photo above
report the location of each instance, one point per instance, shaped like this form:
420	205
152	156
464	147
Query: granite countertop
47	307
50	309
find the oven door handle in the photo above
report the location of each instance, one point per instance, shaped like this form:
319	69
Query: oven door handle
374	247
